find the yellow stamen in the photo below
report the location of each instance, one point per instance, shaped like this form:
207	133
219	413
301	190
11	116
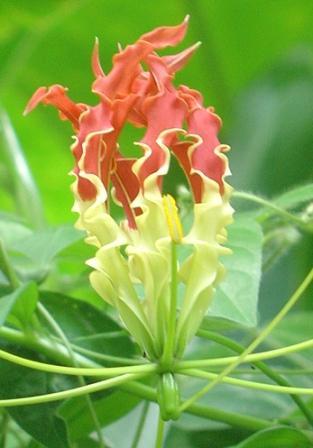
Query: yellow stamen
172	217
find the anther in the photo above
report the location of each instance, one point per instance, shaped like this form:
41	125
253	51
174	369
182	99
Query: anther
172	218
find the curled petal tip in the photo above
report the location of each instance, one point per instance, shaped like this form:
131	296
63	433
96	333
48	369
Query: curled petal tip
36	98
95	61
177	62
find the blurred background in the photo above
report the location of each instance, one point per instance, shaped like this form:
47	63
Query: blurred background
255	66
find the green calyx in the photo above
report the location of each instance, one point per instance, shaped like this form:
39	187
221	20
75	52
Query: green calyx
168	397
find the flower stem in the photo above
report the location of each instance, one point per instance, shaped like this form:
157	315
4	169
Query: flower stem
160	433
167	358
227	342
264	333
279	211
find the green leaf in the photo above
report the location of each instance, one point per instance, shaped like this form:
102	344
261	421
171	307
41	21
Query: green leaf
295	328
295	197
12	231
121	433
109	409
43	245
20	305
34	444
236	297
32	253
39	421
177	437
279	437
87	326
87	443
233	399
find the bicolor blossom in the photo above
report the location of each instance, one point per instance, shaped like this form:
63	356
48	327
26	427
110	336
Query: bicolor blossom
132	267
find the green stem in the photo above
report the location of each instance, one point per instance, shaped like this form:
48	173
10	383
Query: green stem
160	433
141	424
59	332
169	344
70	393
57	352
250	371
231	418
269	354
248	384
227	342
105	357
279	211
135	388
106	335
264	333
76	371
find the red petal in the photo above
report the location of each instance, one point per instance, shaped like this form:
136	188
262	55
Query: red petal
206	124
117	83
164	110
166	36
126	186
180	149
56	96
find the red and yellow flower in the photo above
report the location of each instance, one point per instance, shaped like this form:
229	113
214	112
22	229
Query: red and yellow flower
131	268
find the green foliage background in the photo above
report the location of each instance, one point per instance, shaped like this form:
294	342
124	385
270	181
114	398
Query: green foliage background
255	66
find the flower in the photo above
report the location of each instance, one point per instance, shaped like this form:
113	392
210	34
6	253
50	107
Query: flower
132	267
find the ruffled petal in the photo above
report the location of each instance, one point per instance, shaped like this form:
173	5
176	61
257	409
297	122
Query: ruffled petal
163	110
202	270
205	157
